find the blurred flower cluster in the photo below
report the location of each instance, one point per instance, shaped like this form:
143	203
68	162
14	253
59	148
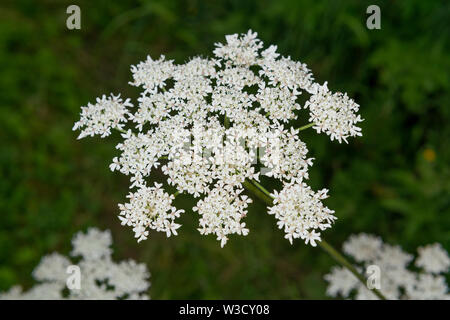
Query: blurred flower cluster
211	124
100	277
399	278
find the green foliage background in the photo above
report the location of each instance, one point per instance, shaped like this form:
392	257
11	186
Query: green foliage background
394	181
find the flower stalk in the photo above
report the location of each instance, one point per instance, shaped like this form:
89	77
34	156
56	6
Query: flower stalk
264	195
344	262
306	126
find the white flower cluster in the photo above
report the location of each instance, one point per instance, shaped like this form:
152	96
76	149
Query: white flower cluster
221	213
98	119
334	113
211	124
150	207
299	210
100	277
397	279
433	258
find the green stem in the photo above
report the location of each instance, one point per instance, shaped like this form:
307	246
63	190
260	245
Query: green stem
306	126
226	122
264	195
262	189
342	260
120	130
252	188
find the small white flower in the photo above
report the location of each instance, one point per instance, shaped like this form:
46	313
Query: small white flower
300	212
433	258
311	237
52	268
95	244
363	247
98	119
239	50
334	114
340	282
221	213
149	208
152	74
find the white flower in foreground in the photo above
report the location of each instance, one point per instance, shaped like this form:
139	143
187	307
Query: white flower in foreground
98	119
101	278
221	213
300	212
285	156
214	123
334	113
239	50
152	74
150	208
397	280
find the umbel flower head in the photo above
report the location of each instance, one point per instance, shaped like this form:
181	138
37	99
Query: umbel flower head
398	278
212	124
100	277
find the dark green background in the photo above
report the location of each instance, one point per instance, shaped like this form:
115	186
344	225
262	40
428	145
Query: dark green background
394	181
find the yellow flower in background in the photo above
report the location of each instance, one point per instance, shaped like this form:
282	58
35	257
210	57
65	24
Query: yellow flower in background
429	154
